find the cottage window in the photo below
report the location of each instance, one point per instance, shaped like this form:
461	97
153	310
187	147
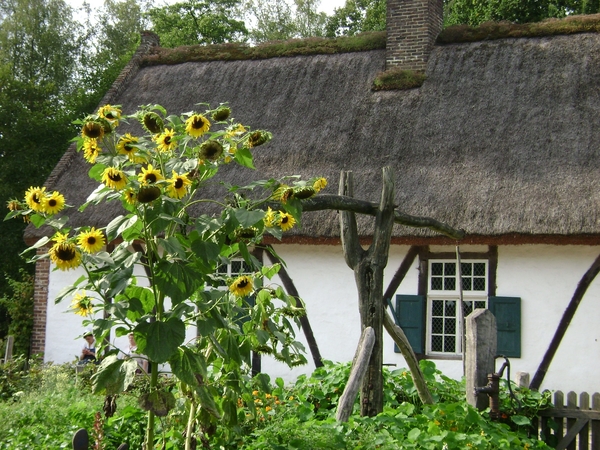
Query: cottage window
445	321
234	268
432	319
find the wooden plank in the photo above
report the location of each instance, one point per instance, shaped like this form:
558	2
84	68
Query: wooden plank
584	434
559	402
596	422
572	404
570	413
8	354
359	368
569	440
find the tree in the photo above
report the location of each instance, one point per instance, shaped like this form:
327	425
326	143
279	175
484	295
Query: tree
357	16
198	22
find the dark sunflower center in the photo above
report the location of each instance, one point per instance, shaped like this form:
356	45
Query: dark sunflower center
167	140
93	130
242	284
36	198
197	123
65	253
150	178
110	116
116	177
178	183
91	240
52	202
128	147
285	219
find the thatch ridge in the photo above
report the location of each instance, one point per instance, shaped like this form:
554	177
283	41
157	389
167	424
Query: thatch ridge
501	138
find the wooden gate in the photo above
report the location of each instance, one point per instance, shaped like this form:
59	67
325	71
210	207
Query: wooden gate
574	425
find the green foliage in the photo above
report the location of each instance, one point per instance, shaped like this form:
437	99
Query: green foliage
397	78
198	22
19	306
357	16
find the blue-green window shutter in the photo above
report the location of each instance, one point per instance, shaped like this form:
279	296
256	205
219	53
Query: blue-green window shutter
507	311
410	316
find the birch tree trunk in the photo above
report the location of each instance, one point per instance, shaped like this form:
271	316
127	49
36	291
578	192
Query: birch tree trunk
368	266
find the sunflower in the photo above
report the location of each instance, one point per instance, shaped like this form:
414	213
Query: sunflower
149	175
221	113
241	286
234	130
91	150
258	137
82	304
110	113
269	218
284	193
210	150
165	141
91	241
114	178
60	237
126	146
153	123
53	203
197	125
65	255
130	196
319	184
14	205
148	194
34	197
178	185
286	221
92	130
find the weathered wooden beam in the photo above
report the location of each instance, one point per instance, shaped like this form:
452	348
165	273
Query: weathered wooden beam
563	325
359	368
480	354
344	202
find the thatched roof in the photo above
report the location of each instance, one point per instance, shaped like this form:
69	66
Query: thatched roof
501	139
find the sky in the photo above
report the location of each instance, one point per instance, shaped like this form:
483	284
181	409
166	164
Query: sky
326	6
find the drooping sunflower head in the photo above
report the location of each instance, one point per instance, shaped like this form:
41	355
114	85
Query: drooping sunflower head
91	241
130	196
65	255
234	130
82	304
153	122
319	184
148	194
210	150
221	113
127	146
246	233
178	185
269	218
149	175
60	237
241	286
197	125
286	221
91	150
258	137
110	113
34	197
14	205
53	203
284	193
93	129
165	142
114	178
304	192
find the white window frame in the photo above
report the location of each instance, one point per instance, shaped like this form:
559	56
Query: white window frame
229	273
452	295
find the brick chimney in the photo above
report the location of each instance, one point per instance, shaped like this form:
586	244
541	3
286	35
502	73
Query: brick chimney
412	27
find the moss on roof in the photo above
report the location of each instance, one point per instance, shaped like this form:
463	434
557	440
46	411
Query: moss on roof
293	47
500	30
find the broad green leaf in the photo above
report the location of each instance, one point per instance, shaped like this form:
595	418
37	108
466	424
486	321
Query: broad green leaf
133	231
177	280
521	420
37	220
159	340
244	157
114	375
142	294
57	222
96	172
185	364
172	246
113	226
270	271
248	218
118	280
207	401
207	251
40	243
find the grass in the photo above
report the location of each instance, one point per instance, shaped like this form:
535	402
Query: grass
397	78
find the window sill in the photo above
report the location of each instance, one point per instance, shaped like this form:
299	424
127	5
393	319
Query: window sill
444	357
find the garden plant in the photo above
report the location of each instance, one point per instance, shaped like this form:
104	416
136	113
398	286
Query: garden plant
157	171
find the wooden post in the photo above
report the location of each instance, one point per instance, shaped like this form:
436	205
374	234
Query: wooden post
8	354
522	379
480	354
359	368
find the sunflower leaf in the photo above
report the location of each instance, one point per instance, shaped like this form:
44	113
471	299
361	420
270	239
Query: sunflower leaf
96	173
185	364
160	340
244	157
113	226
248	218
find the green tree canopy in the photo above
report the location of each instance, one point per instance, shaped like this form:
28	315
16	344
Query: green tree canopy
357	16
198	22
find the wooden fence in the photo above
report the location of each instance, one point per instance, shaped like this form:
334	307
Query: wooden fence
574	425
